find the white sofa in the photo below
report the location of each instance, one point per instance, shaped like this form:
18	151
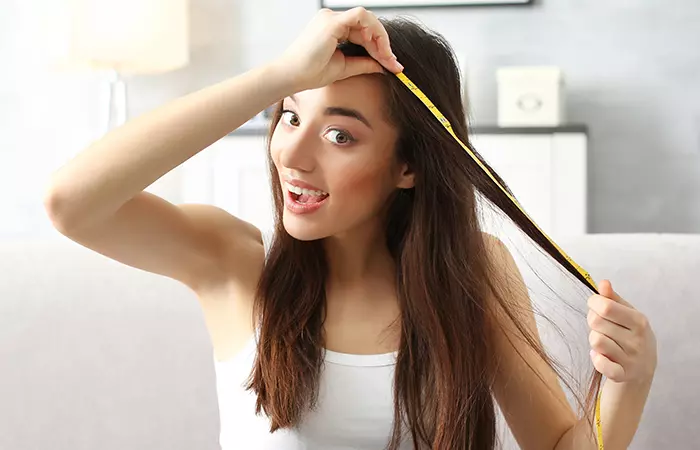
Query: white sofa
98	355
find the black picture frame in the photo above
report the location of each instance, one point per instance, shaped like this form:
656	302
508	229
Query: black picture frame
341	5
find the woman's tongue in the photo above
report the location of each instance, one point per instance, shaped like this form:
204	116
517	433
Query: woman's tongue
304	198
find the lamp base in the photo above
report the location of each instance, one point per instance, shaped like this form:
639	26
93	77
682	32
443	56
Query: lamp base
117	100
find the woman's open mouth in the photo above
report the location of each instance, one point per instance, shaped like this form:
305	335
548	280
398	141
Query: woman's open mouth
302	201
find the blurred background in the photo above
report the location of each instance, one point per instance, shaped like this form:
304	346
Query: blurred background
630	69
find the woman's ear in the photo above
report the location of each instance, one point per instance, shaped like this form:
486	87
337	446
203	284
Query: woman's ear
406	178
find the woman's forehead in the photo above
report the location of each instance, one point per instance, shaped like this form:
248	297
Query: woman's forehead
364	93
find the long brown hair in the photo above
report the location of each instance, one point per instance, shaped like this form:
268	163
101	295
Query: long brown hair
445	364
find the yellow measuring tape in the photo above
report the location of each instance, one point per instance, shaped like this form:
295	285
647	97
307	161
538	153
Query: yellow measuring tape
443	120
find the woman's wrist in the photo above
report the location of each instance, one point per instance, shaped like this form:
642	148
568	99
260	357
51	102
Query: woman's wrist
280	79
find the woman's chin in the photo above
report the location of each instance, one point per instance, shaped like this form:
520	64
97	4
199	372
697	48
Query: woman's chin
303	230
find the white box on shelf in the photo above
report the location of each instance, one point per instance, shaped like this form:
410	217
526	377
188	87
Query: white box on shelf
530	96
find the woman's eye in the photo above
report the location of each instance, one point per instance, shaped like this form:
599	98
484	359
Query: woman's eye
289	118
339	137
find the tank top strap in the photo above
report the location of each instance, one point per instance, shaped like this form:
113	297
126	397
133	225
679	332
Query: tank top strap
268	236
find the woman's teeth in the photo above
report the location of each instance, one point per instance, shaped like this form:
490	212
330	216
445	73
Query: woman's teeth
301	191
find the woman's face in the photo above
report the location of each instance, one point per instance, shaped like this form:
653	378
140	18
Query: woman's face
334	152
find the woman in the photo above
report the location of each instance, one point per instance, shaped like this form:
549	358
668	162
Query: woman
377	314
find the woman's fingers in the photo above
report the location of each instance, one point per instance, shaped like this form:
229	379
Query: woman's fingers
605	346
611	310
610	329
313	59
361	19
610	369
359	66
363	28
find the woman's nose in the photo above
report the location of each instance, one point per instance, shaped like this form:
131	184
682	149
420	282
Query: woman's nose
298	153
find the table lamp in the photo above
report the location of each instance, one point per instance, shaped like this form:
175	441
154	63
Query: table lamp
126	37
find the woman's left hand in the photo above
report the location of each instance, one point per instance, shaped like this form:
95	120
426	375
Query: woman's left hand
622	341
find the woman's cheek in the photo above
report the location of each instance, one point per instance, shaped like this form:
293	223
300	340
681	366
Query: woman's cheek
360	184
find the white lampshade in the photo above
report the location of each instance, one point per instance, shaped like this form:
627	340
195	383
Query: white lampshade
130	36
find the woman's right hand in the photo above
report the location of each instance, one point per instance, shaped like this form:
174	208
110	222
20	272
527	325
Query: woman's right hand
313	60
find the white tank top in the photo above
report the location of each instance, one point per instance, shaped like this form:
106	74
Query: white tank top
355	408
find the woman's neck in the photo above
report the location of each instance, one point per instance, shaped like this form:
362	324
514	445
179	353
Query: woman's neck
359	255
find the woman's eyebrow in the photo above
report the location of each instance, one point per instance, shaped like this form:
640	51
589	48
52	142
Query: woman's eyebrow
347	112
340	111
